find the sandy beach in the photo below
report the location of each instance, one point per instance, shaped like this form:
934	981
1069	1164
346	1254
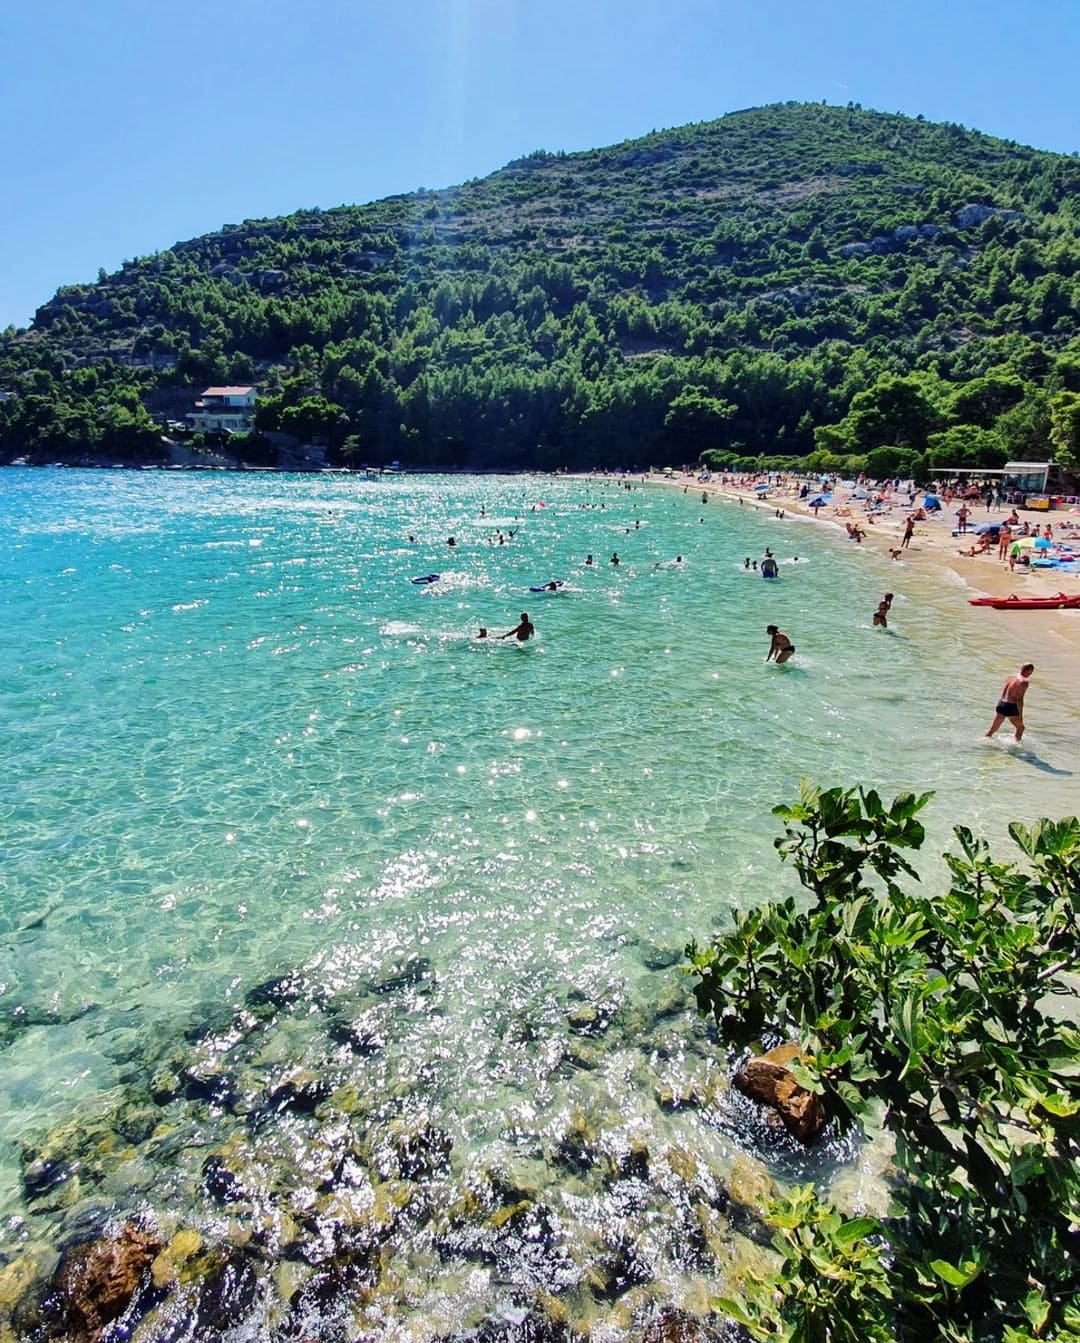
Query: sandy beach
933	547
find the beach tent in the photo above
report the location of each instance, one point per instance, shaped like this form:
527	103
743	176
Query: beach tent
931	501
821	500
761	488
992	527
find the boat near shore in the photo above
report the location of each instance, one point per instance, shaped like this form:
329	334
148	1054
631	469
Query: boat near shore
1062	602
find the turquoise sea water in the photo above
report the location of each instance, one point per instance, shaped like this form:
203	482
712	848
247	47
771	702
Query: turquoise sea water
238	743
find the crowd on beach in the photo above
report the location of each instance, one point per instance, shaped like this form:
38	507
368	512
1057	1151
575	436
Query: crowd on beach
1029	547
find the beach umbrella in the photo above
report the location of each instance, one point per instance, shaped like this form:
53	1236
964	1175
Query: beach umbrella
760	488
1029	542
1041	543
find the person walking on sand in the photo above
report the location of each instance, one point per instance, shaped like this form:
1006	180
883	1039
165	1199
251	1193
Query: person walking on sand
1011	703
909	532
781	648
523	631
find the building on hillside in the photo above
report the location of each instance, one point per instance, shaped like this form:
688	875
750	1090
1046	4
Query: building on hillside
229	410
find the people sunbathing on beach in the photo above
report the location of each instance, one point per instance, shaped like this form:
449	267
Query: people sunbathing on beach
980	549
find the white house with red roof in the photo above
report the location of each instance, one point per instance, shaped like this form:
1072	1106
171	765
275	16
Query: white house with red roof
224	409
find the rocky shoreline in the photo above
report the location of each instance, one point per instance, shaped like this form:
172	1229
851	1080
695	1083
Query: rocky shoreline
279	1165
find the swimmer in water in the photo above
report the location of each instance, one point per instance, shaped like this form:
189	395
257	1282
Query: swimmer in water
615	557
781	647
588	559
523	631
483	632
746	562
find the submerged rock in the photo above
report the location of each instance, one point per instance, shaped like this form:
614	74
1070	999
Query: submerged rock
689	1093
168	1266
360	1036
22	1273
220	1182
589	1019
621	1266
422	1151
657	957
678	1326
417	973
225	1297
302	1092
750	1184
280	992
769	1081
43	1176
577	1149
95	1281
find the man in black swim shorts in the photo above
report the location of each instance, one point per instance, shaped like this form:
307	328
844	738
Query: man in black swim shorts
1011	703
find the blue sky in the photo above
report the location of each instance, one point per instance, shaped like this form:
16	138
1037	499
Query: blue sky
126	125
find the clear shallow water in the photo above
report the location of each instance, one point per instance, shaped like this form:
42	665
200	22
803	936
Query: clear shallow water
237	742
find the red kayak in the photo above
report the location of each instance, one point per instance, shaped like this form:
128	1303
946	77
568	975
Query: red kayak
1061	602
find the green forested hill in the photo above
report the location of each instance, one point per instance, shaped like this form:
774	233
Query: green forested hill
785	280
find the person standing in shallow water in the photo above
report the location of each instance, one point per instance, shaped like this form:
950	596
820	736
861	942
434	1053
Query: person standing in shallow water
523	631
781	648
1011	703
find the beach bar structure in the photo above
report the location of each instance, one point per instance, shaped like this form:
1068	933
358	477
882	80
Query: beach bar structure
1029	477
